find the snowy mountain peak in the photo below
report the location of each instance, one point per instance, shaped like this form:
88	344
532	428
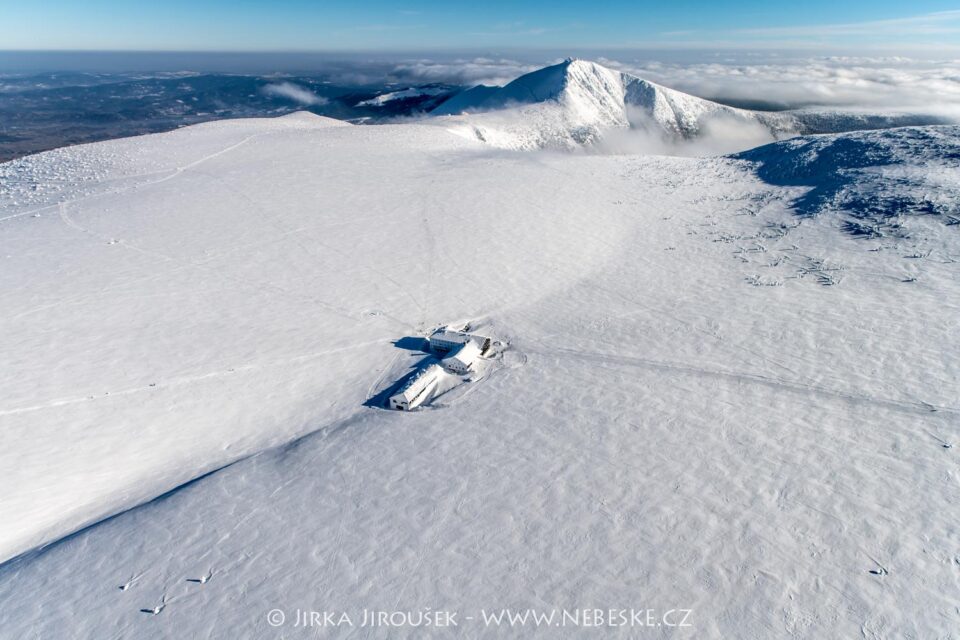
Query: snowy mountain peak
579	102
577	78
575	101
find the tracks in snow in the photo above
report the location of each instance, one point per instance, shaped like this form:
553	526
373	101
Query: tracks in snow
769	381
185	380
171	175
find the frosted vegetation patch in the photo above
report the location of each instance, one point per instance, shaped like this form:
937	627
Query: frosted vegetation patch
873	180
38	180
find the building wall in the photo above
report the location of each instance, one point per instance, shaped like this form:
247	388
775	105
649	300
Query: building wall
444	345
457	367
410	397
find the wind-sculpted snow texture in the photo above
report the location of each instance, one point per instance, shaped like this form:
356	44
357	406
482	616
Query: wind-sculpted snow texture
707	403
872	180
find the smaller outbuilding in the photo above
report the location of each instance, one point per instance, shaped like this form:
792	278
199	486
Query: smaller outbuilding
462	360
417	389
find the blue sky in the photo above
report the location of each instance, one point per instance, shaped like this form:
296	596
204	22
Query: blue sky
325	25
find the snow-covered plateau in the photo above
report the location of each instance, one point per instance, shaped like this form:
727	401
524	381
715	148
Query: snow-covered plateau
731	384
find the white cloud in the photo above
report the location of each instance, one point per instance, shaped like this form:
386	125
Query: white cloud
941	22
294	92
751	79
719	134
387	27
930	32
881	83
464	71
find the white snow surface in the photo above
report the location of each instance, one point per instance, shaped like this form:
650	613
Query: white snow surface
665	431
401	94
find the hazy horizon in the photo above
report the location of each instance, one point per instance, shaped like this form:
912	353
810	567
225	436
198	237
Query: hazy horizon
250	61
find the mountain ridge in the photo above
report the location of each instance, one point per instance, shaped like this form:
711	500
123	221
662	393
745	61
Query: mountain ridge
580	84
577	102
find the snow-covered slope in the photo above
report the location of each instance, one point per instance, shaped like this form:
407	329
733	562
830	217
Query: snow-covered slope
664	432
579	102
404	94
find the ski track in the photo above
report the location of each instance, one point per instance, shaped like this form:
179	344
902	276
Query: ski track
172	174
204	264
186	380
601	359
